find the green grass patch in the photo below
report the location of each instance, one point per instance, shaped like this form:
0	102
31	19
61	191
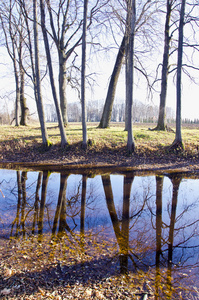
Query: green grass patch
113	137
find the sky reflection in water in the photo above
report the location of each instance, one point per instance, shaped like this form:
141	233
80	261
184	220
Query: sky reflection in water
153	219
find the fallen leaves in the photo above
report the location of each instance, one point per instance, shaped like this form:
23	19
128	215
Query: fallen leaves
8	272
66	274
109	147
55	270
5	291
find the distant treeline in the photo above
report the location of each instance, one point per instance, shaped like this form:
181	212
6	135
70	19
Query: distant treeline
189	121
142	113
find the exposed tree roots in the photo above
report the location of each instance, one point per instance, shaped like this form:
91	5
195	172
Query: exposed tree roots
160	128
176	147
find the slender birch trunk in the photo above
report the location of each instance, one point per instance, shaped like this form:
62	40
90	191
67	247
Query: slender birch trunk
37	81
83	74
130	33
62	86
178	137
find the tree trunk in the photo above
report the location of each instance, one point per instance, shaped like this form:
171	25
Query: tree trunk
37	81
83	74
23	120
24	108
107	111
48	55
62	86
17	101
177	144
129	49
179	74
161	125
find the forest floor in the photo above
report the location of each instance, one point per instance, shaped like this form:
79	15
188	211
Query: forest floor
22	146
40	270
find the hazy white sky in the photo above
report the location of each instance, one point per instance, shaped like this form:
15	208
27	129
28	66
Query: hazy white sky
190	91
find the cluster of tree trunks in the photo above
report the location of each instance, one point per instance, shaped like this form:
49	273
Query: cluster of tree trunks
61	22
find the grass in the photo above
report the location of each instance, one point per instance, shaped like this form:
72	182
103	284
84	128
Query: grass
113	138
113	135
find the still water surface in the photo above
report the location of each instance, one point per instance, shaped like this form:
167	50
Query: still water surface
152	219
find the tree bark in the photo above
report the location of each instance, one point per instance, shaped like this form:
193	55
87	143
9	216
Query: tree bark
17	101
161	125
83	74
179	74
48	55
62	86
59	36
129	49
107	111
24	108
178	137
37	80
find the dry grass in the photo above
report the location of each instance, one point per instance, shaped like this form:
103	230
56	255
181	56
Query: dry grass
108	145
115	135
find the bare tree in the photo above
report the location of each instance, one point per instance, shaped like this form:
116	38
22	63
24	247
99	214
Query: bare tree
144	34
50	67
67	23
83	74
107	111
161	125
177	144
13	29
129	49
24	108
37	78
33	43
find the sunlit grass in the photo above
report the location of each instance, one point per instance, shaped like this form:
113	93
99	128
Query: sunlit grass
112	137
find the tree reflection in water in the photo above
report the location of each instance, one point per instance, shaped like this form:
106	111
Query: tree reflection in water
150	240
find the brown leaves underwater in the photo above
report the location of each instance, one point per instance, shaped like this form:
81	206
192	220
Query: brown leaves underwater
90	268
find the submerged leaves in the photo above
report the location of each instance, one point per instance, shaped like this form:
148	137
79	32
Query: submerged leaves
63	270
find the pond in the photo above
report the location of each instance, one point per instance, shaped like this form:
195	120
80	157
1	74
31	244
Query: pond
143	226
